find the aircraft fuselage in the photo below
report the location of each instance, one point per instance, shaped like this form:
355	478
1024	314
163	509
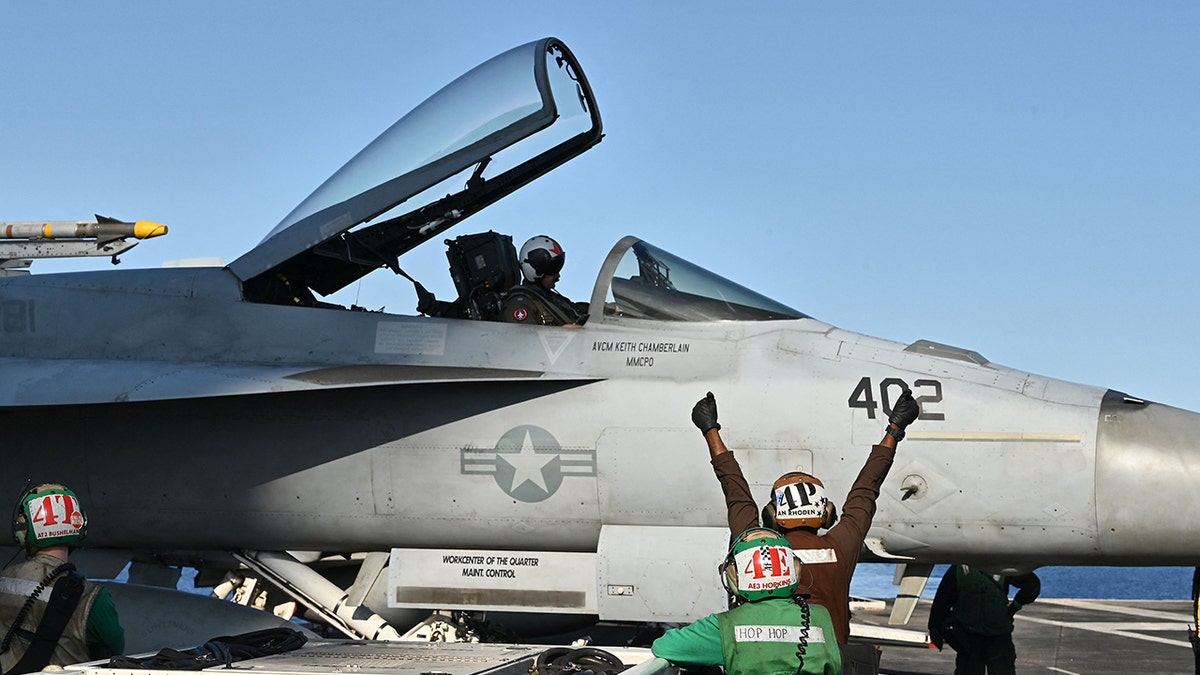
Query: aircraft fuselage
293	428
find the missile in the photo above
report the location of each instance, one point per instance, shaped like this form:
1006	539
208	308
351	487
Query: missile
101	229
73	238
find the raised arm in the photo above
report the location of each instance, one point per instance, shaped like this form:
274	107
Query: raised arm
859	509
739	504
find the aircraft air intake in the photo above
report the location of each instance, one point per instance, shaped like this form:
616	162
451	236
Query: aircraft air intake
1147	468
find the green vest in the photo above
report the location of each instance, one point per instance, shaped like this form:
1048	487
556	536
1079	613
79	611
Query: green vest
982	604
16	584
761	638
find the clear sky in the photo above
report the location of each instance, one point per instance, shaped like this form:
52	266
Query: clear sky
1019	178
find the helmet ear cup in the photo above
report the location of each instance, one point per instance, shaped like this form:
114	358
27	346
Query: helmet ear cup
728	571
830	518
768	516
18	528
20	520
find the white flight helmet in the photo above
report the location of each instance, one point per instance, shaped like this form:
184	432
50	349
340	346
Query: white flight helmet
540	256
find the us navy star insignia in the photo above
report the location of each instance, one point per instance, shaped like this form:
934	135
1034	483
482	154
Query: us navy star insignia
528	463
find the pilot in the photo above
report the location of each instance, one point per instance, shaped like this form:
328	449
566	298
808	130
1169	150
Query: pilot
971	612
799	510
770	629
534	300
48	613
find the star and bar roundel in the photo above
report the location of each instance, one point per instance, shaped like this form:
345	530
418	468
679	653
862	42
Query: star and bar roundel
528	463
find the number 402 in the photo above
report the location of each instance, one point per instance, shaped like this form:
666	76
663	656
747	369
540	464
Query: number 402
926	392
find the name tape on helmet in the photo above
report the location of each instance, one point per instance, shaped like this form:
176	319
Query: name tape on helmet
53	516
765	568
800	500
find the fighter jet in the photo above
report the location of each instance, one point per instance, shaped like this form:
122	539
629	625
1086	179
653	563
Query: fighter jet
447	460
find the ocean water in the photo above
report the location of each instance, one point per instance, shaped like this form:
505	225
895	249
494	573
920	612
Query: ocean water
874	580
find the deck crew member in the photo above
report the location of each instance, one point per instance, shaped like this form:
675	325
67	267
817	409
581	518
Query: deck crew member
771	630
49	614
799	510
534	300
971	612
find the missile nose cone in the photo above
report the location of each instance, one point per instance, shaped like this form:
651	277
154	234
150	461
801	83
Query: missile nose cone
1147	480
144	229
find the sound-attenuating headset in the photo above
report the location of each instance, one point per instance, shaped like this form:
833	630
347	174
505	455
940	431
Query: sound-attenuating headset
798	500
18	517
760	564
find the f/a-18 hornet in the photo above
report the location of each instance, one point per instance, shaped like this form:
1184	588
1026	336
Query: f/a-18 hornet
406	462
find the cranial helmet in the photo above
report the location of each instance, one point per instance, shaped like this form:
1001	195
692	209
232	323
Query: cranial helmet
540	256
799	500
760	565
49	515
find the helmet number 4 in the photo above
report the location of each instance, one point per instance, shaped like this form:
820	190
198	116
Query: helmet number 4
928	393
55	510
776	564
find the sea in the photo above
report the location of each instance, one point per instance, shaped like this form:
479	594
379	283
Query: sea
874	580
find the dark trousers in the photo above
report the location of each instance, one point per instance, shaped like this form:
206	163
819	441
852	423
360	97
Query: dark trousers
977	653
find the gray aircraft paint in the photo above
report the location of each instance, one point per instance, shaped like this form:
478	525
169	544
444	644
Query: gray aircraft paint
191	419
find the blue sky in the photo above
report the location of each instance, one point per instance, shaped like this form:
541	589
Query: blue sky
1020	179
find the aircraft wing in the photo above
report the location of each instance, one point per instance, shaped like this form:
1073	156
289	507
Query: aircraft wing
36	382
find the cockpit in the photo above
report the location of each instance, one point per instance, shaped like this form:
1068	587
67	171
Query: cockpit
490	132
646	282
637	281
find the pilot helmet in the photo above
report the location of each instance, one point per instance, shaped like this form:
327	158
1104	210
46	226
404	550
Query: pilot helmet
540	256
760	565
49	515
798	500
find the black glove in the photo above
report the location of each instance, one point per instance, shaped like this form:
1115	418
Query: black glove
905	410
425	300
1013	607
936	639
704	414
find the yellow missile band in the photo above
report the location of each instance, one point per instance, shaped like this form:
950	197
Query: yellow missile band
47	232
144	229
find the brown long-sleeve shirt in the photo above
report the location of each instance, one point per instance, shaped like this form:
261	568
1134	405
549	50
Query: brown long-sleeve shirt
830	558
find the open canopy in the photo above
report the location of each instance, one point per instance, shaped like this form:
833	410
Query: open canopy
486	134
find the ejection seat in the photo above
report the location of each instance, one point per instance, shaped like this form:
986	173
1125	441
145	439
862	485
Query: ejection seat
483	266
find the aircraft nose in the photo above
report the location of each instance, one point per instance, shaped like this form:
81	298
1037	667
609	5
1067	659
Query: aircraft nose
1147	481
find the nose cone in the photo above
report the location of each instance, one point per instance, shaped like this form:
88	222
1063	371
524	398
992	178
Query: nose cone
1147	482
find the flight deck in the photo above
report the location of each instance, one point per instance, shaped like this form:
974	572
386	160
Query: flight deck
1070	637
